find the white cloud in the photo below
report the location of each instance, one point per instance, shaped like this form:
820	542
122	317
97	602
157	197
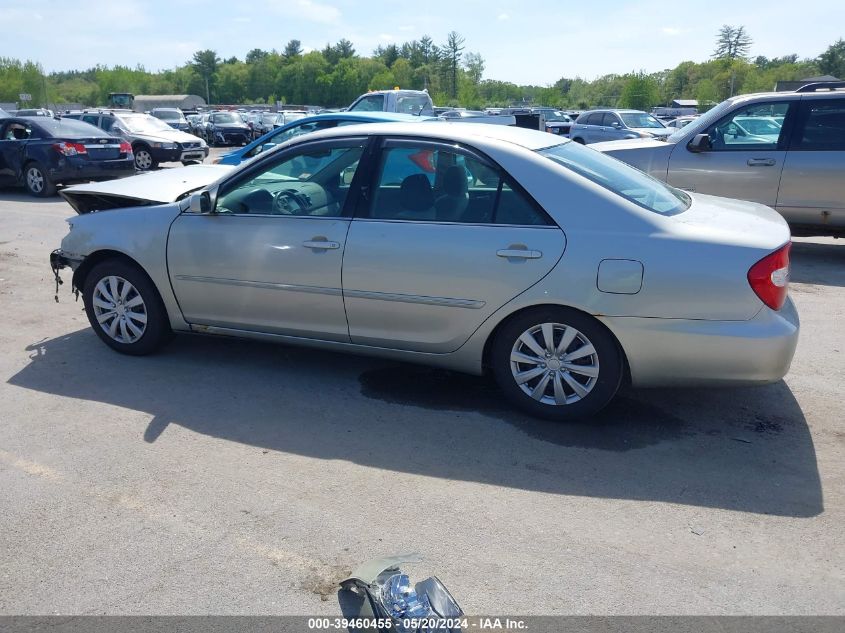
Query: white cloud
503	17
314	11
386	37
671	30
407	27
243	19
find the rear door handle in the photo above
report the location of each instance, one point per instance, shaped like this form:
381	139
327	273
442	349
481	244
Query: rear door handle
321	245
519	253
761	162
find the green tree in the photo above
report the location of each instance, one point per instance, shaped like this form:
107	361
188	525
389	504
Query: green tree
451	53
732	42
474	65
640	92
293	49
206	63
832	61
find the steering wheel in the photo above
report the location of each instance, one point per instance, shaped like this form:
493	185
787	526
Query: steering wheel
288	202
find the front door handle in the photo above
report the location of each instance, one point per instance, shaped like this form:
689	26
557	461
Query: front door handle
519	253
324	245
761	162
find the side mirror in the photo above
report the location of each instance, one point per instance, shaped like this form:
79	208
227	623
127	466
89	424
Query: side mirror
616	124
199	203
701	143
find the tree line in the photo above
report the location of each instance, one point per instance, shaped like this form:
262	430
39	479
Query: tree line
337	74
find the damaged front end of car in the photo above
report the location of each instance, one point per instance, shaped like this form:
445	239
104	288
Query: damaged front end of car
381	597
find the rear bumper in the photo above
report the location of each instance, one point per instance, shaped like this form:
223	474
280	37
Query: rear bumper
67	171
664	352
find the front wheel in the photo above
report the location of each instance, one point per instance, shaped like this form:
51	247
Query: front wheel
144	159
124	308
557	363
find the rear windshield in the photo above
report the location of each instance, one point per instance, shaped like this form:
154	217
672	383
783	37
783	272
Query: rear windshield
69	128
620	178
168	115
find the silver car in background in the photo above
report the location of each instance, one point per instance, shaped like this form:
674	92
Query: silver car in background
782	149
472	247
596	126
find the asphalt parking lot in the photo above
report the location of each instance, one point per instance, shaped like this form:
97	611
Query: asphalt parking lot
232	477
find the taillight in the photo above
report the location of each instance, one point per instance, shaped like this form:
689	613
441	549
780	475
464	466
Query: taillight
125	148
769	278
69	149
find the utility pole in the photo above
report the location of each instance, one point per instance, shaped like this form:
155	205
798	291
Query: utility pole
208	94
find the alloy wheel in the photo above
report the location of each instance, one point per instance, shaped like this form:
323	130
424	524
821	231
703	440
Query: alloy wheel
143	159
35	180
554	364
119	309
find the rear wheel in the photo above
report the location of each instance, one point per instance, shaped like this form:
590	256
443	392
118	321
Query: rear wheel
37	182
557	363
124	308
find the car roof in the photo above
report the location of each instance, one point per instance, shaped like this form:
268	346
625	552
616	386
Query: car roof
453	131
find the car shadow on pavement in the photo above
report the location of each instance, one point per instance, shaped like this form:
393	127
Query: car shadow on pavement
818	263
738	449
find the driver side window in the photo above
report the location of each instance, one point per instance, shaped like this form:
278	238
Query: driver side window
312	180
754	127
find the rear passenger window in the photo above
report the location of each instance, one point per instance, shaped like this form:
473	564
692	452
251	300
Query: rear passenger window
429	184
821	126
609	119
90	118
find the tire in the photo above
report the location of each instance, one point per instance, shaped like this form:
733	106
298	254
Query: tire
186	163
131	335
597	380
37	182
144	160
579	140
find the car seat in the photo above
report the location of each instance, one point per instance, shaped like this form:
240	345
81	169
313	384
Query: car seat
451	206
416	198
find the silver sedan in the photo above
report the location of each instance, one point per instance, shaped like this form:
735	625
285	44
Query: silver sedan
477	248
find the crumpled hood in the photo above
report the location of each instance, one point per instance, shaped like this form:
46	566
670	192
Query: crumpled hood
646	154
168	136
157	187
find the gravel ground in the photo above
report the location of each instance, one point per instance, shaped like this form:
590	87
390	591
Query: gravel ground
232	477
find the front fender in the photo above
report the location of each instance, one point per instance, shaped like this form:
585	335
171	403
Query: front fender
139	233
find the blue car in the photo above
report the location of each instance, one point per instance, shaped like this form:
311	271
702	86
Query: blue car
310	124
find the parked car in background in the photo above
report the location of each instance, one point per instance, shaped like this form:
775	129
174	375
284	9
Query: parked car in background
227	128
681	121
34	112
173	117
41	153
399	101
152	140
796	168
194	121
595	126
307	125
463	264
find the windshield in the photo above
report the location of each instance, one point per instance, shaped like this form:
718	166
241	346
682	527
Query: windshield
413	104
639	119
227	117
143	124
555	116
168	115
620	178
702	122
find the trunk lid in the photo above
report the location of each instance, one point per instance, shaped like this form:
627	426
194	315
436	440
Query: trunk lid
734	222
158	187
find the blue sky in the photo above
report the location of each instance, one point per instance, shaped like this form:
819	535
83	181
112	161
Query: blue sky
523	42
